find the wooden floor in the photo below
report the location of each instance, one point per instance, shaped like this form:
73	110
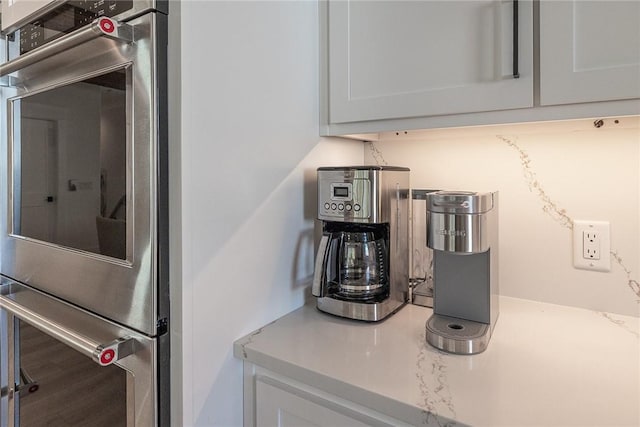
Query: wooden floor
74	391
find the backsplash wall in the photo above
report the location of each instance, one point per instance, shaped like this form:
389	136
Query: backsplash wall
548	175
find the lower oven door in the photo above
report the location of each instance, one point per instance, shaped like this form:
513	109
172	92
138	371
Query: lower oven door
62	366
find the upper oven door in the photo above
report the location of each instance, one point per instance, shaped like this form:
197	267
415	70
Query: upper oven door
81	172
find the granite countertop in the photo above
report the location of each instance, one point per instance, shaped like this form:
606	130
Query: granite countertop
546	365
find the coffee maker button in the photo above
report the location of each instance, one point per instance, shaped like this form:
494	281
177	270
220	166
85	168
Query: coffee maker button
356	207
327	205
333	206
348	207
340	206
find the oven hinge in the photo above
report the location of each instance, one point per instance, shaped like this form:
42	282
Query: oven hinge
162	326
27	384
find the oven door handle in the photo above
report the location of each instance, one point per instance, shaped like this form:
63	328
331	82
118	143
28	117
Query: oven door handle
103	354
101	27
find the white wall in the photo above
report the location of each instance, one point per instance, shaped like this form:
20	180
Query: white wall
248	149
554	170
244	136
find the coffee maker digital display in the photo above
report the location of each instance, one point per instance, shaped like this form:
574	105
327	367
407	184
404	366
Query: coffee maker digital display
361	269
341	193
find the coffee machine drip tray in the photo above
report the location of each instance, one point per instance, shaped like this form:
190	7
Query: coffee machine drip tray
457	336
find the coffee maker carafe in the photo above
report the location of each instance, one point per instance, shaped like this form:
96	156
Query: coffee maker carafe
362	268
357	262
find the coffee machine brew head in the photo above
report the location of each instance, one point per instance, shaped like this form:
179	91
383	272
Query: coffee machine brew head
462	230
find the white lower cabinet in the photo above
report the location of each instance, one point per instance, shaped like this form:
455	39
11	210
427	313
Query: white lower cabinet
286	408
274	400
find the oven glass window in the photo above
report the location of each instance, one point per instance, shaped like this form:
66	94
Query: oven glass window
70	165
61	387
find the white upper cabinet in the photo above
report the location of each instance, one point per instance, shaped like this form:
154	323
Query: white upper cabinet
390	66
402	59
589	51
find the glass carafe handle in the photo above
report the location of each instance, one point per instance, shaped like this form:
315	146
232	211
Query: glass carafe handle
318	288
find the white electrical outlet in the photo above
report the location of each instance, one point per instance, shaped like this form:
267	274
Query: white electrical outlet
591	245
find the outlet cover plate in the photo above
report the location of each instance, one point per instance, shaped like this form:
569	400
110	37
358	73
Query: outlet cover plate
599	229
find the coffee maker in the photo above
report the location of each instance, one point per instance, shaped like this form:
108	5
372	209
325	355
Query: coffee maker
362	264
462	230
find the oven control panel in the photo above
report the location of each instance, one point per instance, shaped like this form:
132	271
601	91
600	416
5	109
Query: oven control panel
69	17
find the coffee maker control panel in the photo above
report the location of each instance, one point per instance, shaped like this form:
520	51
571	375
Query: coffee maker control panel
362	194
345	201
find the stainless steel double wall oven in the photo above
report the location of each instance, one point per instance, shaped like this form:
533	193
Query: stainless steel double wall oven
84	292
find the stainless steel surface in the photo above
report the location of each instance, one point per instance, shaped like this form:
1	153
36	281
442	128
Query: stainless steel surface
371	312
12	371
382	197
30	310
126	291
459	202
140	366
457	336
108	308
13	20
99	27
457	221
16	21
421	260
73	388
422	294
371	190
361	288
318	287
457	233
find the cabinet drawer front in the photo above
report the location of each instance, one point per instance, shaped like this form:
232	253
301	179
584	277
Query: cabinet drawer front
286	405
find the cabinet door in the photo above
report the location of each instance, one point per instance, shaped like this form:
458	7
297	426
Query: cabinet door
276	407
283	405
589	51
400	59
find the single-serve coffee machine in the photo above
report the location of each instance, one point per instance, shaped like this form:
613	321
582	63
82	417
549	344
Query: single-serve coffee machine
362	265
462	230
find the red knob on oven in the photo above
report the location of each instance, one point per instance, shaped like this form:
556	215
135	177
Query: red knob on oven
107	356
107	25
